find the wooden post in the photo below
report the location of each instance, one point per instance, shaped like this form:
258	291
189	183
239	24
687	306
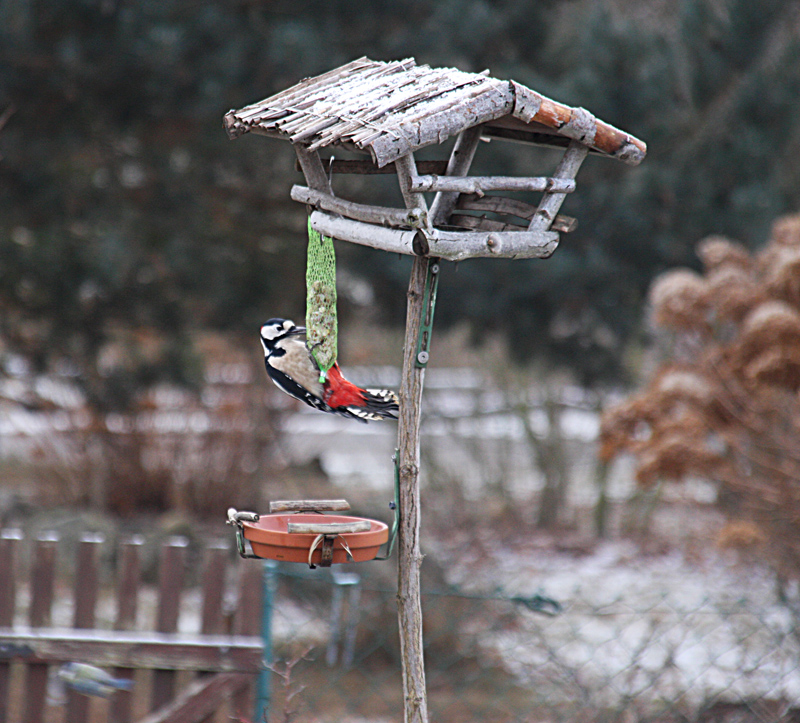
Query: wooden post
409	591
409	603
409	600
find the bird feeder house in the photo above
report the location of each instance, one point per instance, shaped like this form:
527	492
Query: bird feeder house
387	111
384	112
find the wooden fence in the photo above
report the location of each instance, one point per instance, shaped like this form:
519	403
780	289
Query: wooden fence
223	657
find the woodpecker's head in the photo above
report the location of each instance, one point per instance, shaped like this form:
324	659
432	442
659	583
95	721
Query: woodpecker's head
276	329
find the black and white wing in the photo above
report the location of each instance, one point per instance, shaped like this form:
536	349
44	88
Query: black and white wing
291	368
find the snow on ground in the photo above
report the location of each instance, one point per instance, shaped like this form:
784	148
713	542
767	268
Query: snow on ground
652	628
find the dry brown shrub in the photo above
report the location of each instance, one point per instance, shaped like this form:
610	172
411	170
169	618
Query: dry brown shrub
676	451
786	230
732	292
718	251
680	300
769	327
778	366
731	413
682	384
780	268
740	535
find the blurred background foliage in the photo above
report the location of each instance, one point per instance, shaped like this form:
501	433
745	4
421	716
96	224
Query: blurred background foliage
128	218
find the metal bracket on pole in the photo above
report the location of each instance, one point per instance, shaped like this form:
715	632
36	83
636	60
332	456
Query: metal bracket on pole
395	507
428	307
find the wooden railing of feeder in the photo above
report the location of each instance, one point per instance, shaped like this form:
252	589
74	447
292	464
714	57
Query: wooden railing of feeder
388	111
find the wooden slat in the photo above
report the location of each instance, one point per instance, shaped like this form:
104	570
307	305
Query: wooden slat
9	545
39	615
309	506
504	207
170	585
480	223
127	607
134	649
212	621
496	204
328	528
247	621
200	700
85	596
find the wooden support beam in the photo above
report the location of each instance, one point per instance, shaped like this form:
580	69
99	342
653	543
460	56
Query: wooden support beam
313	170
461	158
482	184
449	245
567	169
393	217
364	234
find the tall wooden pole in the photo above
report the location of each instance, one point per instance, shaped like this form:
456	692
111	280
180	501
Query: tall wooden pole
409	591
409	605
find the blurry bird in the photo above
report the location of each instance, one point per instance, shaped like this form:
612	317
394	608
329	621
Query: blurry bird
89	680
294	371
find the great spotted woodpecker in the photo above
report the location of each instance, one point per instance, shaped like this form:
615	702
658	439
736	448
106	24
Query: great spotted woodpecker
294	371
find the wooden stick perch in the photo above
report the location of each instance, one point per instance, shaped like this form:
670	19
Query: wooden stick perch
481	184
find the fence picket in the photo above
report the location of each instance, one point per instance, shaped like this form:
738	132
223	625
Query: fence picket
39	616
247	621
127	608
212	621
170	585
9	544
85	591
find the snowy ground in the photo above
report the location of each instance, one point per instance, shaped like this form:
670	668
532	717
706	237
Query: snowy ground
650	629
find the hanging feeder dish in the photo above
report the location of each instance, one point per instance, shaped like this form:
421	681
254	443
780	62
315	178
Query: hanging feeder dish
297	531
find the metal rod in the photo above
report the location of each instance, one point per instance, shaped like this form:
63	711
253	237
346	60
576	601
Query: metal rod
263	687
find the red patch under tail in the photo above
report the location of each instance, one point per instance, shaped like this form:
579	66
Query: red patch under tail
341	393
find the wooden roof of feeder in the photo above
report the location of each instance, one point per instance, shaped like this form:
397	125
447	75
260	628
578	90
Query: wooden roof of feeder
390	110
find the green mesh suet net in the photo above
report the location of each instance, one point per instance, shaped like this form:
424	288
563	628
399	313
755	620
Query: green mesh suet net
321	324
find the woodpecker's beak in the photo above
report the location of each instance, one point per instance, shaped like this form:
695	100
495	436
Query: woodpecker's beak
297	330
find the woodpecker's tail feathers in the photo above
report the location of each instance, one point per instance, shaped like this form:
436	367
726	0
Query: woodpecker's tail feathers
377	404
